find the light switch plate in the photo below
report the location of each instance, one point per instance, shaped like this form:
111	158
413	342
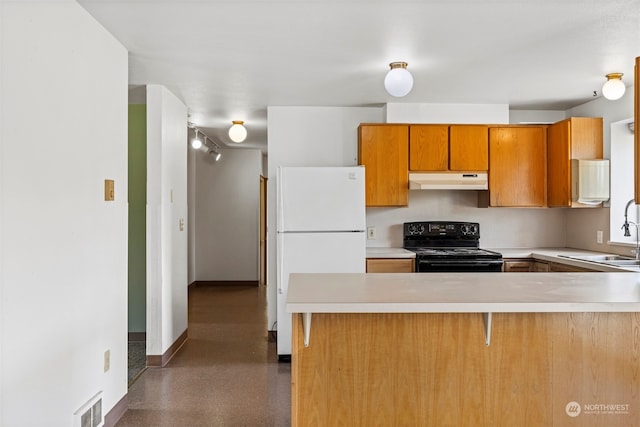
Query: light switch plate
109	186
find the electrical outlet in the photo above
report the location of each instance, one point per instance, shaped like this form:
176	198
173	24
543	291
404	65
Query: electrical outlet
599	236
371	233
107	360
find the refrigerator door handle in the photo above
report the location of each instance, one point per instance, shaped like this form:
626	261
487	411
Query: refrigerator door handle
280	203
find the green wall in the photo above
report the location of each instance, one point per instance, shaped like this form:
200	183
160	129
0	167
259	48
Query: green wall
137	217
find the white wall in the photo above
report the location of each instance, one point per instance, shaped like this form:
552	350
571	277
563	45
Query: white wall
307	136
191	202
536	116
227	208
582	224
63	249
446	113
499	227
167	276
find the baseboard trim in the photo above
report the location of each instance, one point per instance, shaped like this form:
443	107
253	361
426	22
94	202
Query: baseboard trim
118	410
137	336
199	283
159	361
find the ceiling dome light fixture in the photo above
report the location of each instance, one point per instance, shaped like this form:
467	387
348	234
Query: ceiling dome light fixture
399	80
237	131
614	87
195	142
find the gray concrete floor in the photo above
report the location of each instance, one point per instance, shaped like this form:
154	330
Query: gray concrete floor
226	374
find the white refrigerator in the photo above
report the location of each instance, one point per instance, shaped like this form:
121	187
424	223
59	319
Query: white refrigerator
320	229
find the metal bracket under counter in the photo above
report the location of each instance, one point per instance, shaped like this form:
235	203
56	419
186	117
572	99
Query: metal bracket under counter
486	318
306	327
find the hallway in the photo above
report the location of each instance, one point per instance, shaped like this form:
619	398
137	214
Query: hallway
226	374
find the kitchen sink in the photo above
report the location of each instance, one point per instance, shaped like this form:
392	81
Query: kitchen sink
599	258
621	262
614	260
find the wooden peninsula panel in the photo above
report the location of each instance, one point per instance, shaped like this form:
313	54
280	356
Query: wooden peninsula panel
434	369
597	362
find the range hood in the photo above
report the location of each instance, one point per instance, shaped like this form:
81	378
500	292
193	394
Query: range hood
448	181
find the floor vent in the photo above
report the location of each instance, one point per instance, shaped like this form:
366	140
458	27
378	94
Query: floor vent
90	414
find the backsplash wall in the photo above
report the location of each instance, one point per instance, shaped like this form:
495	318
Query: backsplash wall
499	227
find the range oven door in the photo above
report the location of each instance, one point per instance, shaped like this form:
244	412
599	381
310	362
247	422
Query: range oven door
458	266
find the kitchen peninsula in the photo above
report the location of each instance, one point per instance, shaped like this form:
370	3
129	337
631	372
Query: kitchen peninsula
454	349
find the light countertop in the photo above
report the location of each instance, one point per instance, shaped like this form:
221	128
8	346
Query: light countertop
463	292
558	255
389	253
545	254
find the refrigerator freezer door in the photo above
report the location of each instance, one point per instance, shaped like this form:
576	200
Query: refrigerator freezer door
313	253
321	198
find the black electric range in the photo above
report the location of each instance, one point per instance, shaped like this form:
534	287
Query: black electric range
448	246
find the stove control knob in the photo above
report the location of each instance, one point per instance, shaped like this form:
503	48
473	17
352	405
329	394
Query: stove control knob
415	229
469	230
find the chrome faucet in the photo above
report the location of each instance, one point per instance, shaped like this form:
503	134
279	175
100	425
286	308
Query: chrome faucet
625	226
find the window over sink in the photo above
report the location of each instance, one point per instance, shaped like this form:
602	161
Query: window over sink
622	178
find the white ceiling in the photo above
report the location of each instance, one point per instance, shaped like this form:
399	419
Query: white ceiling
230	59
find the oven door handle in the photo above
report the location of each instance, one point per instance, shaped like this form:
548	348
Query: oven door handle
449	263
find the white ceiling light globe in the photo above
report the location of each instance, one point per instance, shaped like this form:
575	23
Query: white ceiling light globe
237	132
398	81
614	87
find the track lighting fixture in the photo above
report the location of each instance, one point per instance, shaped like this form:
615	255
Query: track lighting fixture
196	143
202	142
215	154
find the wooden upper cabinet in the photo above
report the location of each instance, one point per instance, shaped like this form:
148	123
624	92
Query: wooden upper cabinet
636	135
469	148
384	151
573	138
448	148
517	172
429	147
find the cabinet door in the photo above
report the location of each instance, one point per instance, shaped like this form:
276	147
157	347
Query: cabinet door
468	148
390	265
428	147
559	164
517	266
517	172
384	152
573	138
558	267
540	266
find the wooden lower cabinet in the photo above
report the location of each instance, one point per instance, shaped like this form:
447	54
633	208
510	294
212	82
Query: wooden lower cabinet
434	369
511	265
515	265
558	267
539	266
390	265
